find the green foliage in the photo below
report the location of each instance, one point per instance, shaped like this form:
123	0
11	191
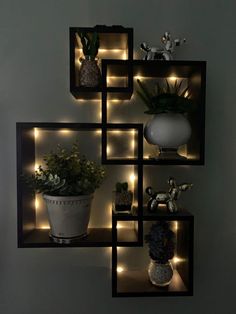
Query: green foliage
165	99
161	242
90	43
67	173
122	187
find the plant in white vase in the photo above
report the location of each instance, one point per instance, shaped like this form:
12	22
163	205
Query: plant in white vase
169	127
67	181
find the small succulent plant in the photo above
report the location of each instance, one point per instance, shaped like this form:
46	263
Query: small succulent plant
122	187
161	242
90	43
165	99
123	197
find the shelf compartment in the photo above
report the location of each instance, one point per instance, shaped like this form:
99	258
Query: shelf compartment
128	233
117	76
193	74
34	140
122	144
130	275
116	42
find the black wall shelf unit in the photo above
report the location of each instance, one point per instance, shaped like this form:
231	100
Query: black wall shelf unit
119	76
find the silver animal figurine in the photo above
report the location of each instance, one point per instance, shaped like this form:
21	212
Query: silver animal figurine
168	198
165	52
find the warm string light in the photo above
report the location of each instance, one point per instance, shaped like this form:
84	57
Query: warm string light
119	225
175	225
176	260
36	133
173	78
139	77
132	178
117	132
186	94
36	202
102	50
106	53
45	227
65	131
108	150
120	269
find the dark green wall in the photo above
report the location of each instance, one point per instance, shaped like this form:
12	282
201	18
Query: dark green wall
34	86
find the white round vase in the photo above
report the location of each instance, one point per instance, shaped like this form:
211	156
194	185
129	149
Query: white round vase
168	131
68	216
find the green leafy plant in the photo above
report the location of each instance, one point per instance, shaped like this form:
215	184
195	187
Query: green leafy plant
90	43
122	187
170	98
66	173
161	242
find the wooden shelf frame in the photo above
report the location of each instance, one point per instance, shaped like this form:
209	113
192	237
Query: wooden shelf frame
130	283
111	37
135	282
28	234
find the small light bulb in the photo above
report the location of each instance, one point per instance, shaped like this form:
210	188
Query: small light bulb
186	94
108	150
133	144
119	269
172	78
65	131
46	227
176	226
176	259
132	177
119	225
36	203
36	133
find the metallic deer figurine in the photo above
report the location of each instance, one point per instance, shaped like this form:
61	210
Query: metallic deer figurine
168	198
162	53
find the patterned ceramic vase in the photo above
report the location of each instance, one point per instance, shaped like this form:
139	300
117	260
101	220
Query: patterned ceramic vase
89	74
122	201
160	274
68	216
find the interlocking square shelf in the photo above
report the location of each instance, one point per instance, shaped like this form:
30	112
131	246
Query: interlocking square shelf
130	276
116	42
118	143
33	141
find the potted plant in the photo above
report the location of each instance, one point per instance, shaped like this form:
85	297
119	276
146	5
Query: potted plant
161	244
168	128
67	182
89	74
122	198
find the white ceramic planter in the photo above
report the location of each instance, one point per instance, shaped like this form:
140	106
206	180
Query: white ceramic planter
168	130
68	216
